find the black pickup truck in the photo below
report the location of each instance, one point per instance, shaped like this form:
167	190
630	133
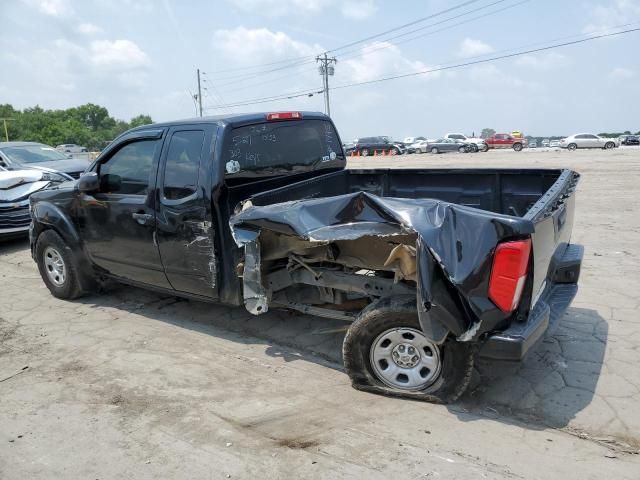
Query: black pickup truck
430	266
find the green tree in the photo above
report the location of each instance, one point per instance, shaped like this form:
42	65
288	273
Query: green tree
89	125
487	132
140	120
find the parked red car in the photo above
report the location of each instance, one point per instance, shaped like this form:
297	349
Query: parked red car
505	140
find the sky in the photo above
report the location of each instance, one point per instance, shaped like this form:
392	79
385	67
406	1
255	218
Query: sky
140	57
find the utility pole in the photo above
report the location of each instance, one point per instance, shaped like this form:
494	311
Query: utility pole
326	68
6	132
199	94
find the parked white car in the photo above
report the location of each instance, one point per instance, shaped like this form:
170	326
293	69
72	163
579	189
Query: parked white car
71	148
478	144
588	140
420	146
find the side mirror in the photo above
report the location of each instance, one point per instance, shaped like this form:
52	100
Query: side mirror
89	182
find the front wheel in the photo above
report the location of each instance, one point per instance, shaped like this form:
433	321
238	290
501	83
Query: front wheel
364	152
462	149
609	145
474	148
572	146
434	150
386	352
56	266
517	147
394	151
485	148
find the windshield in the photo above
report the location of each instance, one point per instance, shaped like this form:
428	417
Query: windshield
282	147
33	154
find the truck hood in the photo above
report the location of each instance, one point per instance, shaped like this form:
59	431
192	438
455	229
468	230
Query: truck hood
457	240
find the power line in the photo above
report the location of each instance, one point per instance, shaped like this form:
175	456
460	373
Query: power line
448	27
302	93
395	29
251	76
492	59
303	60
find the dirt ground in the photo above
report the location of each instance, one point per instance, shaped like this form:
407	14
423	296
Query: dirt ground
133	384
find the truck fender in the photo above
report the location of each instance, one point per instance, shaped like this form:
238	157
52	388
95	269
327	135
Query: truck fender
46	215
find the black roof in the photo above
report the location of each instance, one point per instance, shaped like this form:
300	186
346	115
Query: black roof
234	119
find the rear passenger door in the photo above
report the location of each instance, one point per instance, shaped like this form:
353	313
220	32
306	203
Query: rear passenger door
184	221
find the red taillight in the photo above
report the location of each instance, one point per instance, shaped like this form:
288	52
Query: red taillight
284	116
509	273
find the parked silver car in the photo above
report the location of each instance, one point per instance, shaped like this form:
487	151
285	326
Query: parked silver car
587	140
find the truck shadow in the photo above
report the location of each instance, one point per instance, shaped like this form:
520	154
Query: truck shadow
548	389
552	384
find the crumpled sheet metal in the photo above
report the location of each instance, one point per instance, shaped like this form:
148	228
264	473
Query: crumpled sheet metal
459	240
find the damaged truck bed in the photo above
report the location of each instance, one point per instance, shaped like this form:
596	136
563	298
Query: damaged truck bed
430	267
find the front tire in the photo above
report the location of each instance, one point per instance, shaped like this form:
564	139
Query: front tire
517	147
385	352
434	150
57	267
364	152
572	146
462	150
609	145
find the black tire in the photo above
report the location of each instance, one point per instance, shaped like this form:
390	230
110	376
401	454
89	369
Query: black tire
70	288
609	145
517	147
456	357
435	150
394	151
463	149
474	148
485	148
364	152
572	146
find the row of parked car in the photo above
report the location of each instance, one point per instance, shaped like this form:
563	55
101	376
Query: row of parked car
25	168
458	142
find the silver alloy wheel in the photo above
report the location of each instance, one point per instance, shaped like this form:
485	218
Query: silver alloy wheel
55	267
404	358
434	150
364	152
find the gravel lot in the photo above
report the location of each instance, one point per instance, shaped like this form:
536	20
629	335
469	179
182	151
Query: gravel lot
133	384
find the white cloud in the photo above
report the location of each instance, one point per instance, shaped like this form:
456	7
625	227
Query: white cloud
88	29
609	15
380	59
54	8
472	48
352	9
358	9
542	61
245	45
117	54
489	75
278	8
621	73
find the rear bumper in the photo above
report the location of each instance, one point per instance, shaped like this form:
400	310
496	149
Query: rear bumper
514	342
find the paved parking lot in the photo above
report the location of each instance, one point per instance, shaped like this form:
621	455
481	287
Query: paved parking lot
132	384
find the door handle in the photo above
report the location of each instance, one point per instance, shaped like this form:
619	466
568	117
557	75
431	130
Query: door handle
142	218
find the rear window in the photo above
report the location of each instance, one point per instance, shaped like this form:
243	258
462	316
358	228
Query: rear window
276	148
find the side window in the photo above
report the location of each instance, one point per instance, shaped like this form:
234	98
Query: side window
592	137
183	164
128	170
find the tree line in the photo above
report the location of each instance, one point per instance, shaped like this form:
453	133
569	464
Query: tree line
88	125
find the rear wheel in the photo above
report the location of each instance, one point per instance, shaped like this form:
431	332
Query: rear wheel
572	146
485	148
386	352
462	149
394	151
434	150
474	148
609	145
364	152
56	266
517	147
